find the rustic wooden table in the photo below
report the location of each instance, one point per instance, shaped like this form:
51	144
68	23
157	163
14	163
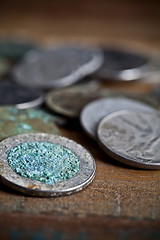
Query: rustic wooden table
122	202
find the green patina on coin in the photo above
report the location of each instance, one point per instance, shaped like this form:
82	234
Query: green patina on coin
43	161
14	121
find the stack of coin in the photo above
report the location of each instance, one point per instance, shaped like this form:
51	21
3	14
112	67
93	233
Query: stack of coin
122	127
38	162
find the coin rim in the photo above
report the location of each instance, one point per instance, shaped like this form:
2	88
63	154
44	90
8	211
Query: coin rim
118	156
72	185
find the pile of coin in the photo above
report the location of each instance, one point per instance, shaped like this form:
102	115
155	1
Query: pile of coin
126	129
41	87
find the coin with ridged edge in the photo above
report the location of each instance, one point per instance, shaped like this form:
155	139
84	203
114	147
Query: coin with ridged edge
58	67
131	137
45	165
93	112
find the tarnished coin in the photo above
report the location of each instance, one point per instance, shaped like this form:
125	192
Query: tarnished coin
132	137
124	65
16	95
4	67
14	121
15	49
45	165
69	101
93	112
58	67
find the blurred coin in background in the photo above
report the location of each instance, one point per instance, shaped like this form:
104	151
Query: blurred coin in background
16	95
15	121
4	66
124	65
58	67
15	49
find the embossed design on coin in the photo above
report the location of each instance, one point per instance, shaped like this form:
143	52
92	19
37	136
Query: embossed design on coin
16	95
74	167
57	67
132	137
96	110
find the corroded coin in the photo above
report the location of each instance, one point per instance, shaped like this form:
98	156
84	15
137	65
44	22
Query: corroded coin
16	95
15	49
45	165
132	137
14	121
125	65
93	112
58	67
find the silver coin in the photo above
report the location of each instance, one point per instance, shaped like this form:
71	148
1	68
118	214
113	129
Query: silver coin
79	181
12	94
93	112
131	137
57	67
124	65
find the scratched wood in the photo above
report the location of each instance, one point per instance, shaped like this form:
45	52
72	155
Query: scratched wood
122	202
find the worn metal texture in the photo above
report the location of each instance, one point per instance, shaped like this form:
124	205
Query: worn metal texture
131	137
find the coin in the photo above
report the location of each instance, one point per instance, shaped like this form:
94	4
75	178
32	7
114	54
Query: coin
124	65
19	96
70	100
14	121
58	67
15	49
132	137
68	167
4	66
93	112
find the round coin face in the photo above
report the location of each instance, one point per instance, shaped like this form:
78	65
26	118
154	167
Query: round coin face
131	137
93	112
57	67
16	95
45	165
14	121
124	65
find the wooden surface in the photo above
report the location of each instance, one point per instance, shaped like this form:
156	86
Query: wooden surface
122	202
